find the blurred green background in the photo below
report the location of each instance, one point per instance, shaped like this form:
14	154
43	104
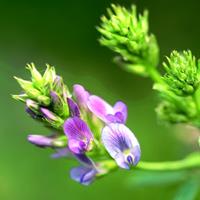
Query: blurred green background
63	34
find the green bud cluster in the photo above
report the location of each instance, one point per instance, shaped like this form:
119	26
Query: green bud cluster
182	73
179	89
127	34
45	96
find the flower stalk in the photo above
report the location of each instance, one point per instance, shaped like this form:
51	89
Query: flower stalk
190	162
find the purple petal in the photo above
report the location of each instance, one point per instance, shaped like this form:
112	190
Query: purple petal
99	107
31	113
54	97
85	160
74	110
121	144
81	95
48	114
40	140
116	118
61	152
58	82
120	110
83	175
79	135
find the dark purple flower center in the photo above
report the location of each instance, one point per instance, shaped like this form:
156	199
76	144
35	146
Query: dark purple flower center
130	160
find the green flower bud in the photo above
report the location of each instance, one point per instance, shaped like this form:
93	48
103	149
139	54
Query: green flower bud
44	100
37	79
127	34
20	97
25	85
32	92
49	76
32	105
52	118
60	107
182	73
167	111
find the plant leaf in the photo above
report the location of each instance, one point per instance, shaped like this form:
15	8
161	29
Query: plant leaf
188	190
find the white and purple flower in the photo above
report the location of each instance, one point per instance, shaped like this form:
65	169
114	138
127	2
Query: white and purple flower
121	144
72	117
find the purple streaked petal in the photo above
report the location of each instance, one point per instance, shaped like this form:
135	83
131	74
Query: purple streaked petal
74	110
121	162
121	144
79	135
99	107
83	175
81	95
77	146
120	110
40	140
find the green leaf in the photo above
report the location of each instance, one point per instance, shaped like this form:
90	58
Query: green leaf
188	191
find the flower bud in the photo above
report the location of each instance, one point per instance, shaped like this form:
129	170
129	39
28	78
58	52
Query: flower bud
127	34
52	118
36	76
49	75
182	73
46	141
21	97
32	105
59	106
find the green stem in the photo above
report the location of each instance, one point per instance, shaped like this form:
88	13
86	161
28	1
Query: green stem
190	162
154	75
197	99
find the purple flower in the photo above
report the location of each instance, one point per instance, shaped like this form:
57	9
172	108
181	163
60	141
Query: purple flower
79	135
40	140
74	110
121	144
107	113
81	95
83	174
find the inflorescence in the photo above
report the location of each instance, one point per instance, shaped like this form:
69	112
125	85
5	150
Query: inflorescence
85	126
127	34
92	131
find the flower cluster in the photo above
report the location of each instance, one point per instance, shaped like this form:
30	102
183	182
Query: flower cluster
85	126
182	73
127	34
179	89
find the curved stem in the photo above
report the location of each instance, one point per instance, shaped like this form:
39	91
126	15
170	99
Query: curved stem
190	162
155	75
